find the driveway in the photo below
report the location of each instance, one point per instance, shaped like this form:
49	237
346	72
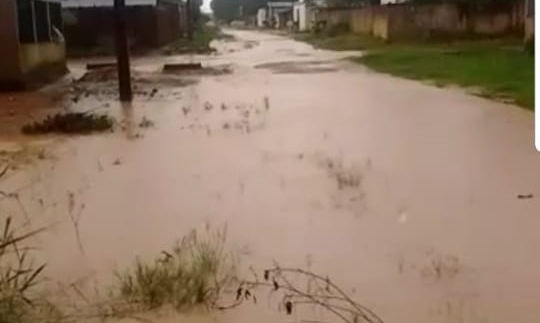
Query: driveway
415	199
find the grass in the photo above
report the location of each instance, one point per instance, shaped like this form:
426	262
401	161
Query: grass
497	71
500	69
193	273
19	279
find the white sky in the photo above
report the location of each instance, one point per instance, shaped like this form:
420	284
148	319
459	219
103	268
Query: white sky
206	6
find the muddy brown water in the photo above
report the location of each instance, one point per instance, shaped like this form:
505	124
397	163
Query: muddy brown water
405	194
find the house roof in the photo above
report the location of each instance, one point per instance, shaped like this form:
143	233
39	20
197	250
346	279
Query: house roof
104	3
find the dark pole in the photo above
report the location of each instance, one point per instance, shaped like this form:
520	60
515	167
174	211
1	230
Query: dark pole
122	52
189	22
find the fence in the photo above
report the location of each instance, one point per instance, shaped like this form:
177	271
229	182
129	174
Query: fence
399	21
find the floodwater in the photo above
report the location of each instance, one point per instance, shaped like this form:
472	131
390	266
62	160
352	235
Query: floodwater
405	194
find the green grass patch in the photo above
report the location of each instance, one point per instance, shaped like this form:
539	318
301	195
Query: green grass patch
499	70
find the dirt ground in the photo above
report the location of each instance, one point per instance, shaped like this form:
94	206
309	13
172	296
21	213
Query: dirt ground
403	193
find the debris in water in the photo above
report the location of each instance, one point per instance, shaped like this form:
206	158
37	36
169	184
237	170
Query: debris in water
288	307
266	103
153	92
117	162
226	126
185	110
41	154
525	196
223	107
72	122
208	106
146	123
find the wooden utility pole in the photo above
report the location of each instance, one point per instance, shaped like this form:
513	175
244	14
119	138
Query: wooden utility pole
122	52
189	19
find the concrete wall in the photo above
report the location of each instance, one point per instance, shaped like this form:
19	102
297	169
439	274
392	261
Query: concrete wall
34	56
333	16
9	56
29	63
412	21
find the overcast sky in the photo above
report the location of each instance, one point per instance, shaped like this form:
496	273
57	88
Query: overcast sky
206	6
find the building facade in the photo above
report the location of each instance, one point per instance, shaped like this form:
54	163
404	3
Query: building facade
32	42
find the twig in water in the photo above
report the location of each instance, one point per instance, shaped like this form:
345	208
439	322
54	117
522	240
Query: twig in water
320	291
75	219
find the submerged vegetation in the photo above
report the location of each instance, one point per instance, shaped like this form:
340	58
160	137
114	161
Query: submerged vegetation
191	274
70	123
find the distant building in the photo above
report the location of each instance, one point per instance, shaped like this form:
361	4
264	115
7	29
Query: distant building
33	51
280	13
89	24
529	20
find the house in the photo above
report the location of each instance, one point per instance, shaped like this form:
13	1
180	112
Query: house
33	51
89	24
280	13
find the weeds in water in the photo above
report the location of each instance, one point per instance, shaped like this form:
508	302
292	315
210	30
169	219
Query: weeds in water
298	287
191	274
18	277
70	123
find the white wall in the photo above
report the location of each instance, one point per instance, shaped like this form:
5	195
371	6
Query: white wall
300	15
261	17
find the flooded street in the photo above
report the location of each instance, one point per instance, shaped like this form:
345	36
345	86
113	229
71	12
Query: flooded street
405	194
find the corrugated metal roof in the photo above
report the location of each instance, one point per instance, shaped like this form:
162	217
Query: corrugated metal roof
104	3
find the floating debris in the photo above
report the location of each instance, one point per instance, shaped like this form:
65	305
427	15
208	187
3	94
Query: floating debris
70	123
525	196
146	123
